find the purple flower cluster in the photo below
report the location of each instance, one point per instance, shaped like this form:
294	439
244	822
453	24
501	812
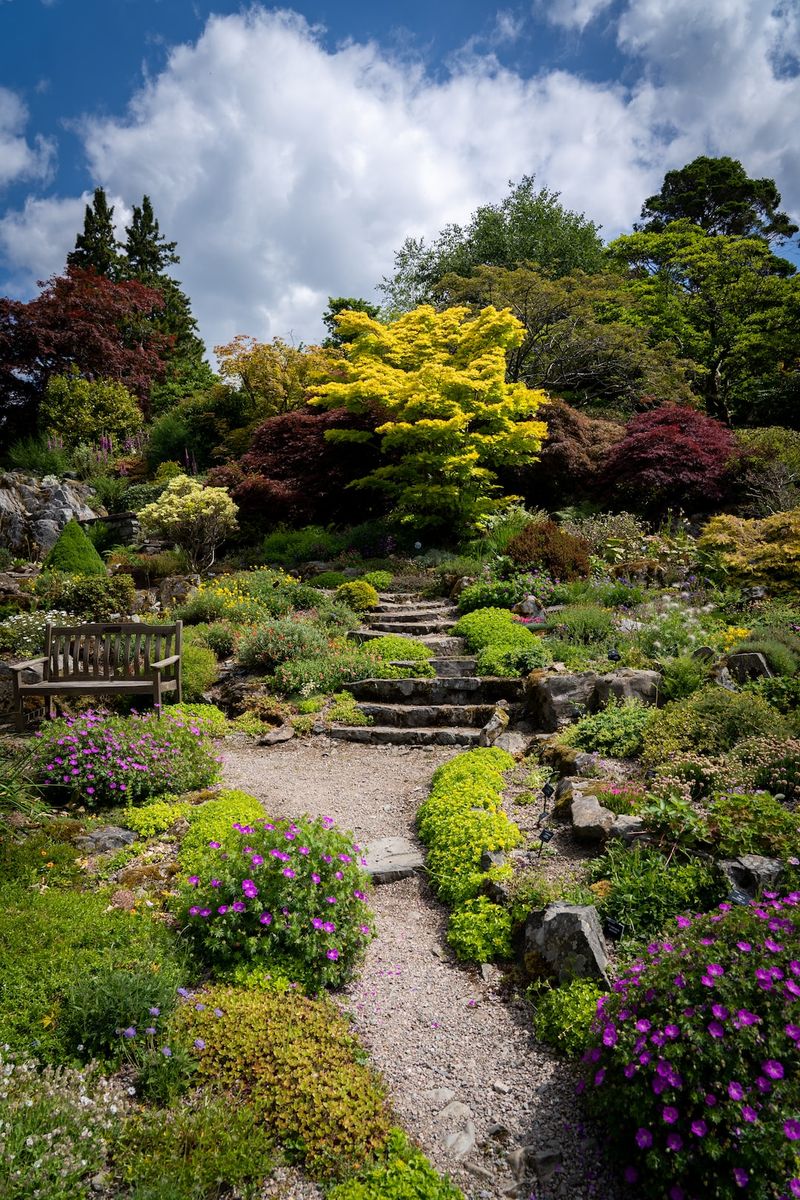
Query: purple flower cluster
701	1040
105	759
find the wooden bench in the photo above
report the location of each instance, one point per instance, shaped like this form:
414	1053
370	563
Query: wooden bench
89	660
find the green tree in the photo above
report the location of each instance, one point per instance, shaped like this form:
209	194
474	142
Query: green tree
340	304
82	410
528	226
577	344
727	303
97	248
194	517
719	196
73	553
147	250
446	419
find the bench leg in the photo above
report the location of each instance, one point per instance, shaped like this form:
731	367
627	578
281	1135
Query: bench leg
157	694
50	707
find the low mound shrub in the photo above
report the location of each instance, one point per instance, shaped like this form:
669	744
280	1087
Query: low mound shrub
73	553
380	580
329	579
616	731
296	1062
393	647
504	646
480	931
756	824
199	671
288	547
285	895
492	593
545	544
219	636
88	597
710	721
584	624
642	888
154	818
771	763
694	1069
344	663
278	641
100	759
106	1011
358	595
403	1173
512	661
564	1016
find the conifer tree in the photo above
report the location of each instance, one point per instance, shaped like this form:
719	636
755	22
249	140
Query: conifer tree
146	248
97	248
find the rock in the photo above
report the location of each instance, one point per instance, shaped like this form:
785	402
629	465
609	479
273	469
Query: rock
627	684
455	1111
546	1163
748	664
502	1088
628	828
704	654
572	787
754	593
460	585
177	589
439	1096
513	742
492	858
34	511
123	898
752	873
556	700
319	727
284	733
392	858
459	1144
105	840
565	941
496	725
590	821
529	607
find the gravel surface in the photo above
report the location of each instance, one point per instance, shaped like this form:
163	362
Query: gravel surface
487	1104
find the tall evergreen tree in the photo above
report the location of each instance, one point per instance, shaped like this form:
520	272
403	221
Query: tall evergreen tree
146	248
97	248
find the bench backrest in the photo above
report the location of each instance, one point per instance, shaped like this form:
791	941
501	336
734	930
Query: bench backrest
106	652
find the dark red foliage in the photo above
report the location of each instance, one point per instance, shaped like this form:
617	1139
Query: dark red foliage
291	473
545	544
84	321
673	457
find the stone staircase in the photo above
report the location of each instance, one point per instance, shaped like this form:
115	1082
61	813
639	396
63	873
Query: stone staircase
448	710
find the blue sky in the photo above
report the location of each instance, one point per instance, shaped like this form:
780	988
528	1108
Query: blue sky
290	151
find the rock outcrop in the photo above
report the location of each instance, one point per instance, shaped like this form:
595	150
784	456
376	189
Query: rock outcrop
34	511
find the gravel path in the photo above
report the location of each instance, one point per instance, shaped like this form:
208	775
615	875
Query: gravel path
487	1104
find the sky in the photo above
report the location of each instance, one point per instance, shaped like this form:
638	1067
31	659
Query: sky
290	151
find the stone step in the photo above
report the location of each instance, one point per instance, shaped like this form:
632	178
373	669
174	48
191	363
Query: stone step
412	716
459	689
412	628
443	646
386	605
411	616
453	666
391	735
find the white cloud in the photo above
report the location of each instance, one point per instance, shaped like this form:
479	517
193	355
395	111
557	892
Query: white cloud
572	14
288	171
19	159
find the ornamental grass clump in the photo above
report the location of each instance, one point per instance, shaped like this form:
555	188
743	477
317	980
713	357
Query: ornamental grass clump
288	895
694	1070
99	759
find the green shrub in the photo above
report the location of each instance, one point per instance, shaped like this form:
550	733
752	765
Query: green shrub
104	1012
608	593
300	1068
88	597
344	710
278	641
38	455
209	719
491	593
771	763
463	816
493	627
783	694
154	818
616	731
586	624
668	634
513	661
187	1153
404	1174
212	822
219	636
56	1126
329	579
710	721
358	595
564	1015
545	544
755	824
42	858
73	553
682	677
781	660
199	671
393	647
89	936
380	580
713	1111
288	547
344	663
646	888
307	918
480	931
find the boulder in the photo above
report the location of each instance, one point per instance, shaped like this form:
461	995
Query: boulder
748	664
34	511
572	787
564	942
628	828
177	589
284	733
105	840
752	873
555	700
495	726
627	684
391	858
529	607
514	742
590	821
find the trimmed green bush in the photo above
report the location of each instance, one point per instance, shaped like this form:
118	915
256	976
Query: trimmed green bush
380	580
564	1015
495	630
329	579
358	594
616	731
73	553
480	931
513	661
199	671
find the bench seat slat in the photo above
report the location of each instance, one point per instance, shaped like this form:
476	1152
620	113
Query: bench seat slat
98	687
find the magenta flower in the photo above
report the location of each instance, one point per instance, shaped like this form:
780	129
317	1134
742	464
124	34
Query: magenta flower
735	1090
699	1128
670	1114
265	918
674	1141
772	1069
715	1029
741	1178
792	1129
749	1114
332	954
199	1044
644	1139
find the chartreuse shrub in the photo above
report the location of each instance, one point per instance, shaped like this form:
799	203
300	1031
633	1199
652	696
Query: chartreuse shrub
53	940
210	824
710	721
56	1125
105	760
765	551
503	645
461	818
564	1015
492	593
358	594
73	553
296	1063
393	647
380	580
329	579
694	1071
154	818
641	888
402	1173
198	669
615	731
284	894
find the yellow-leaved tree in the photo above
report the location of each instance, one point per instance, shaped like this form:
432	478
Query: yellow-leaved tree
446	418
275	376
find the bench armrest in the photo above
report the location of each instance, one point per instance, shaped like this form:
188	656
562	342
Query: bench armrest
24	666
165	662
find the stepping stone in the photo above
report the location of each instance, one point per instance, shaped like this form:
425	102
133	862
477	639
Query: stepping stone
392	858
